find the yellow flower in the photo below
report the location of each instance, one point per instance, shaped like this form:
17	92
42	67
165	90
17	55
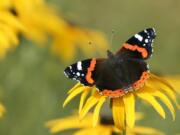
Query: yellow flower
2	110
104	126
35	20
123	108
9	27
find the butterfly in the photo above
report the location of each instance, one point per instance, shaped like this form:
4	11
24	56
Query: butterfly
119	73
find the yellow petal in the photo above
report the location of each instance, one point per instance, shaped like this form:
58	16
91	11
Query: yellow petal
99	130
163	81
73	94
163	98
83	98
166	101
118	113
97	111
150	99
156	85
4	41
85	131
11	20
129	104
146	130
93	90
11	34
2	110
89	104
71	122
76	86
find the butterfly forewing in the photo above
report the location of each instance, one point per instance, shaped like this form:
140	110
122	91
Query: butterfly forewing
139	45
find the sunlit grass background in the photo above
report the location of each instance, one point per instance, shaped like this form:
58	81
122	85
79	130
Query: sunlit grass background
33	86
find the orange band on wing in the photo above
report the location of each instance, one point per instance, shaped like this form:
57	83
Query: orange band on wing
142	50
113	93
89	71
120	92
138	84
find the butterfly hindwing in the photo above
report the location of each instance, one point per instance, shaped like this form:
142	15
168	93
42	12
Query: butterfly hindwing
140	45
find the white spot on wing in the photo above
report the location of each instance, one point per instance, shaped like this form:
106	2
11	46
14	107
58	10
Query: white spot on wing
147	66
78	74
65	74
139	37
146	40
79	65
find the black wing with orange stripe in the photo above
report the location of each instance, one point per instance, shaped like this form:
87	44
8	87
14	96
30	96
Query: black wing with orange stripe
82	71
140	45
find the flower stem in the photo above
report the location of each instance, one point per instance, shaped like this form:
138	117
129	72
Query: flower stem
124	132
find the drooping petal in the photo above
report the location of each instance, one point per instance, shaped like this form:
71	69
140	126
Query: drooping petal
82	132
2	110
71	122
163	98
99	130
73	94
163	81
166	101
11	20
156	85
146	131
174	80
10	33
97	111
129	104
118	113
75	86
91	101
150	99
83	98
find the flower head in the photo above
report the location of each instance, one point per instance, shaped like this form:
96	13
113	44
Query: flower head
123	108
105	126
37	21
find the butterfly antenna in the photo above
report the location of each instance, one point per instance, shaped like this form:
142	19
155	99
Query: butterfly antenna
112	36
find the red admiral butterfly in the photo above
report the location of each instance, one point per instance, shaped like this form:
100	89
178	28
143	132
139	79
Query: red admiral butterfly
119	73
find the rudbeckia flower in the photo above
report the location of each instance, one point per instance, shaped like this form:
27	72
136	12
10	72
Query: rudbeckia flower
37	21
121	77
123	108
104	126
2	110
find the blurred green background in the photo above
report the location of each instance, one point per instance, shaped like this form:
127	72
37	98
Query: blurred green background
33	86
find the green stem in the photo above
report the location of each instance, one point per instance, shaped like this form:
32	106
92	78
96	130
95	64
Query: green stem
124	132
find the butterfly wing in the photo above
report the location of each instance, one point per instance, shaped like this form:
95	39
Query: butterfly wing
140	45
115	75
82	71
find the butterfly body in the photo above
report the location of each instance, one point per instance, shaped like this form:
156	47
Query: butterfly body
119	73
